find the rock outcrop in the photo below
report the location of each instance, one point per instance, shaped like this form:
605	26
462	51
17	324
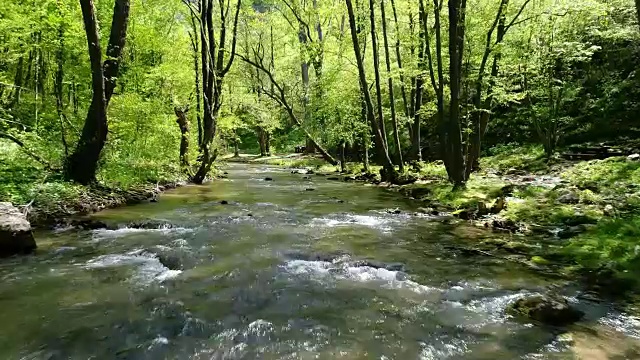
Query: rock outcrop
15	232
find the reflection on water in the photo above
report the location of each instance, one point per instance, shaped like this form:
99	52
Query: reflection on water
369	281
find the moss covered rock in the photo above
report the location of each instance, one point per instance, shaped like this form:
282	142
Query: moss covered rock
547	309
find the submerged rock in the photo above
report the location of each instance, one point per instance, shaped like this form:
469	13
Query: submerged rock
547	309
88	224
379	265
149	224
572	231
15	232
333	178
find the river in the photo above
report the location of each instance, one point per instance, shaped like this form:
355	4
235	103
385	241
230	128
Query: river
274	274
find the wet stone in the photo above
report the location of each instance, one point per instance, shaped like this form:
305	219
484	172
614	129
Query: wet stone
547	309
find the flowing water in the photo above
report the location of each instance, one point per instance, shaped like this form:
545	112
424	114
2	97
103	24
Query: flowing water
278	273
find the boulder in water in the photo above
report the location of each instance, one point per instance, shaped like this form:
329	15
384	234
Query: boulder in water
547	309
170	261
15	232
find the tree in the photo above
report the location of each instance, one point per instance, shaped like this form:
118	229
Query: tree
390	172
214	69
455	159
82	165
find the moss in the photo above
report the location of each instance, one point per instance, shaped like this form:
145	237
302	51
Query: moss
518	247
528	158
539	260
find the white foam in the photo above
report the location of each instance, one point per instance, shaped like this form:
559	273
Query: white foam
626	324
323	270
158	341
102	234
148	267
376	222
454	348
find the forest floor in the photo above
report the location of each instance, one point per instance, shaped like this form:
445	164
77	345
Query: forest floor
589	209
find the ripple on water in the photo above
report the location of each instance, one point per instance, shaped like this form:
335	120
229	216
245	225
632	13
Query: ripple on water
323	270
148	268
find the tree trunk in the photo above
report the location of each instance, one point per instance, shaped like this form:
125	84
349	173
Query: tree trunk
390	172
261	141
343	161
17	83
403	89
58	88
392	100
196	68
457	10
82	165
482	106
183	123
638	11
214	69
376	71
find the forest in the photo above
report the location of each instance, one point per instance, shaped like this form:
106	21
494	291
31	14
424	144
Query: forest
327	179
388	82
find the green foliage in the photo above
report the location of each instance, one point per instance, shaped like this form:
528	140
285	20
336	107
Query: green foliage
515	156
609	176
612	247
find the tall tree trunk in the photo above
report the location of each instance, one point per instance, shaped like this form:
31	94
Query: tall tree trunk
183	122
196	69
261	141
438	83
416	147
457	10
58	88
214	70
392	100
390	172
82	165
403	89
376	71
17	83
343	161
638	11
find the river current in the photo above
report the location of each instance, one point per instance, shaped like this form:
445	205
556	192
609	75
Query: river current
299	267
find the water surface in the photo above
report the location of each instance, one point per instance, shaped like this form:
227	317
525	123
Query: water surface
273	275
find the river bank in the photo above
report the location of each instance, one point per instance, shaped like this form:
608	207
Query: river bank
63	207
590	210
